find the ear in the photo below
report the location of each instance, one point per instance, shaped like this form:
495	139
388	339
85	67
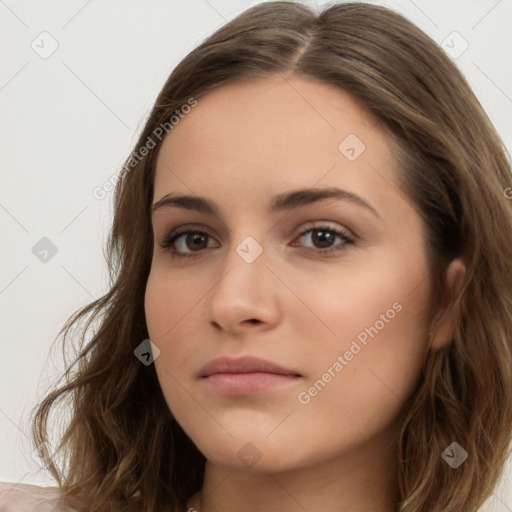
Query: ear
444	330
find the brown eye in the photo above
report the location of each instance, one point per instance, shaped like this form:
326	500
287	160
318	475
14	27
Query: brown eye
186	243
325	238
196	241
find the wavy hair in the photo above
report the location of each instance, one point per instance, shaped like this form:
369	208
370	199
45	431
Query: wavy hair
121	449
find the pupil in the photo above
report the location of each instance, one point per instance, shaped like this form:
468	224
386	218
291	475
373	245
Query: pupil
196	238
322	238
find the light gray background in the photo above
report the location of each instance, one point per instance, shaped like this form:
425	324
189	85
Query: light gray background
70	120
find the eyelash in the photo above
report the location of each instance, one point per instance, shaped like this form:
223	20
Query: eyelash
169	240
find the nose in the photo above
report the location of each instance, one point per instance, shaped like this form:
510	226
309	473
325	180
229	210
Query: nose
246	296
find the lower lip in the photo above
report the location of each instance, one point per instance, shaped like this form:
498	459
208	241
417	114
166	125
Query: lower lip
233	384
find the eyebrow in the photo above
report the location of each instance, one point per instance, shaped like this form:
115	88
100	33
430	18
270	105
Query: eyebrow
281	202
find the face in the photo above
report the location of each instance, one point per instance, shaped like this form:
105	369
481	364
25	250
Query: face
330	284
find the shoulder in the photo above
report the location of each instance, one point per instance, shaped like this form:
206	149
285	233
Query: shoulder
28	498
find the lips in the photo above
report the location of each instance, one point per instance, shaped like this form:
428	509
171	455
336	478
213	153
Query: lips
235	378
245	364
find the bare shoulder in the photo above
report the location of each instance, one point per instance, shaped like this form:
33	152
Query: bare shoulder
29	498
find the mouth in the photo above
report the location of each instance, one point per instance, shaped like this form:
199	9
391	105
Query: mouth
246	375
234	384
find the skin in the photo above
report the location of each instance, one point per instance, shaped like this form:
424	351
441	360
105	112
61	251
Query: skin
294	304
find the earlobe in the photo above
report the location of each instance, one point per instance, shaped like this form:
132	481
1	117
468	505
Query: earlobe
444	329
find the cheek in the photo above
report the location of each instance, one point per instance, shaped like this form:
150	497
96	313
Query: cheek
349	401
164	308
172	307
370	363
158	304
168	300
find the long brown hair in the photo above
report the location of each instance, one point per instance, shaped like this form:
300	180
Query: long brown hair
121	445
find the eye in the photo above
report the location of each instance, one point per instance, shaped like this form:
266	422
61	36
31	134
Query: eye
185	242
182	239
323	239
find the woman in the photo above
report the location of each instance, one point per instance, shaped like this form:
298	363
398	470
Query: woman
312	276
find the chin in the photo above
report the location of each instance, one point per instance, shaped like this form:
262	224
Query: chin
251	453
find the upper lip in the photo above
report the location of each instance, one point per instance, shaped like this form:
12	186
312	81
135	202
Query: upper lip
245	364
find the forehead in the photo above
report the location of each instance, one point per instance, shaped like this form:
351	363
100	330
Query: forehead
274	132
285	106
